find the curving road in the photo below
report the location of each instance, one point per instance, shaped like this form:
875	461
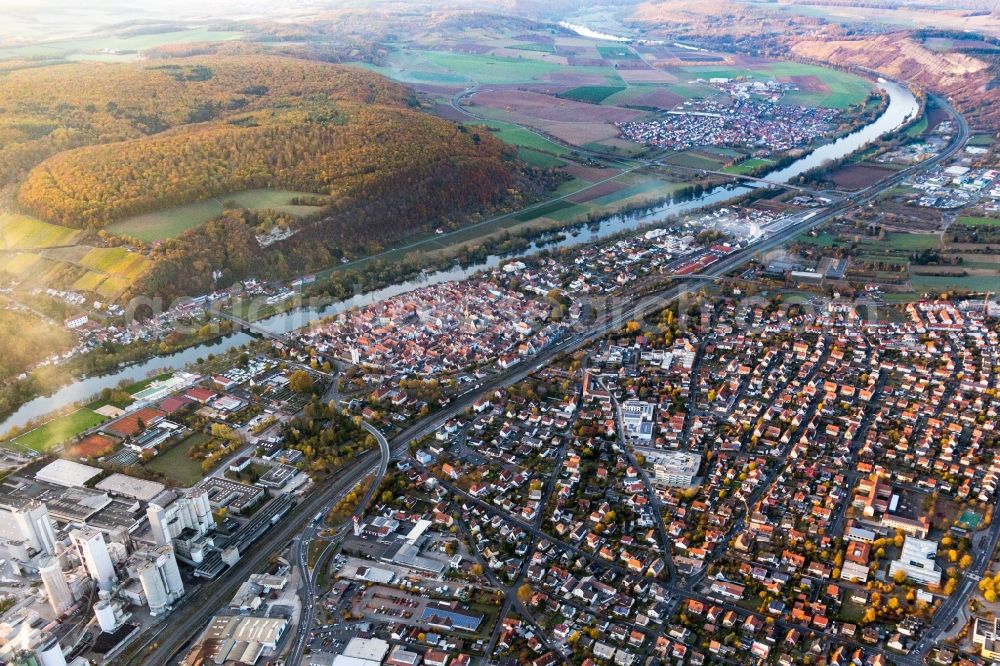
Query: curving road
302	545
196	611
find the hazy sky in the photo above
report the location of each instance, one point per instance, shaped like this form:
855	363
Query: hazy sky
55	19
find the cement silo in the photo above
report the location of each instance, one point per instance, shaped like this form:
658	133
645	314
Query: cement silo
167	563
153	586
51	654
56	587
94	553
105	613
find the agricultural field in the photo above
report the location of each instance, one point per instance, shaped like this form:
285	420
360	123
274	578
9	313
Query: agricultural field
523	138
696	159
447	67
539	159
543	211
819	86
584	199
116	260
26	339
617	53
51	435
591	94
646	96
856	175
964	258
573	122
22	232
575	89
40	254
748	166
172	222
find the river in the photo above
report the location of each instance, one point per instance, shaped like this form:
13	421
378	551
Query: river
584	31
902	106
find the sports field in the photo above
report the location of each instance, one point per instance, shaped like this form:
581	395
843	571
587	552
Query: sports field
172	222
47	437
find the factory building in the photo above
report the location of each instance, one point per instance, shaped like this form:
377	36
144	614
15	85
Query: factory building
157	573
56	587
35	527
94	553
170	515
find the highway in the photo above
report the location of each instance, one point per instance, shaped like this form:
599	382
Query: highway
192	617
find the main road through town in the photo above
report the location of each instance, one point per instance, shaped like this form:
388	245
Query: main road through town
192	617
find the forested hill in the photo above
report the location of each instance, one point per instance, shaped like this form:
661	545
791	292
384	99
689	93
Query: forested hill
45	110
352	150
87	145
163	135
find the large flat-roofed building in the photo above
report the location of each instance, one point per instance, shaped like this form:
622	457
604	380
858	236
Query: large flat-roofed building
129	486
450	616
264	631
672	469
986	635
67	473
637	419
65	504
917	561
362	652
232	495
278	476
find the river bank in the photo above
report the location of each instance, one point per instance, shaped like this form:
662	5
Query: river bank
900	109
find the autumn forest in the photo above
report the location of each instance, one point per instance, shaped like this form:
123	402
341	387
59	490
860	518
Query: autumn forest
86	145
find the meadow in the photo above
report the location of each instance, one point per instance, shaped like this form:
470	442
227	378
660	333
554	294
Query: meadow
176	465
969	221
522	137
172	222
748	166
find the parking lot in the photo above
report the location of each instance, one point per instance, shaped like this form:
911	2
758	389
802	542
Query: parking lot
388	604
